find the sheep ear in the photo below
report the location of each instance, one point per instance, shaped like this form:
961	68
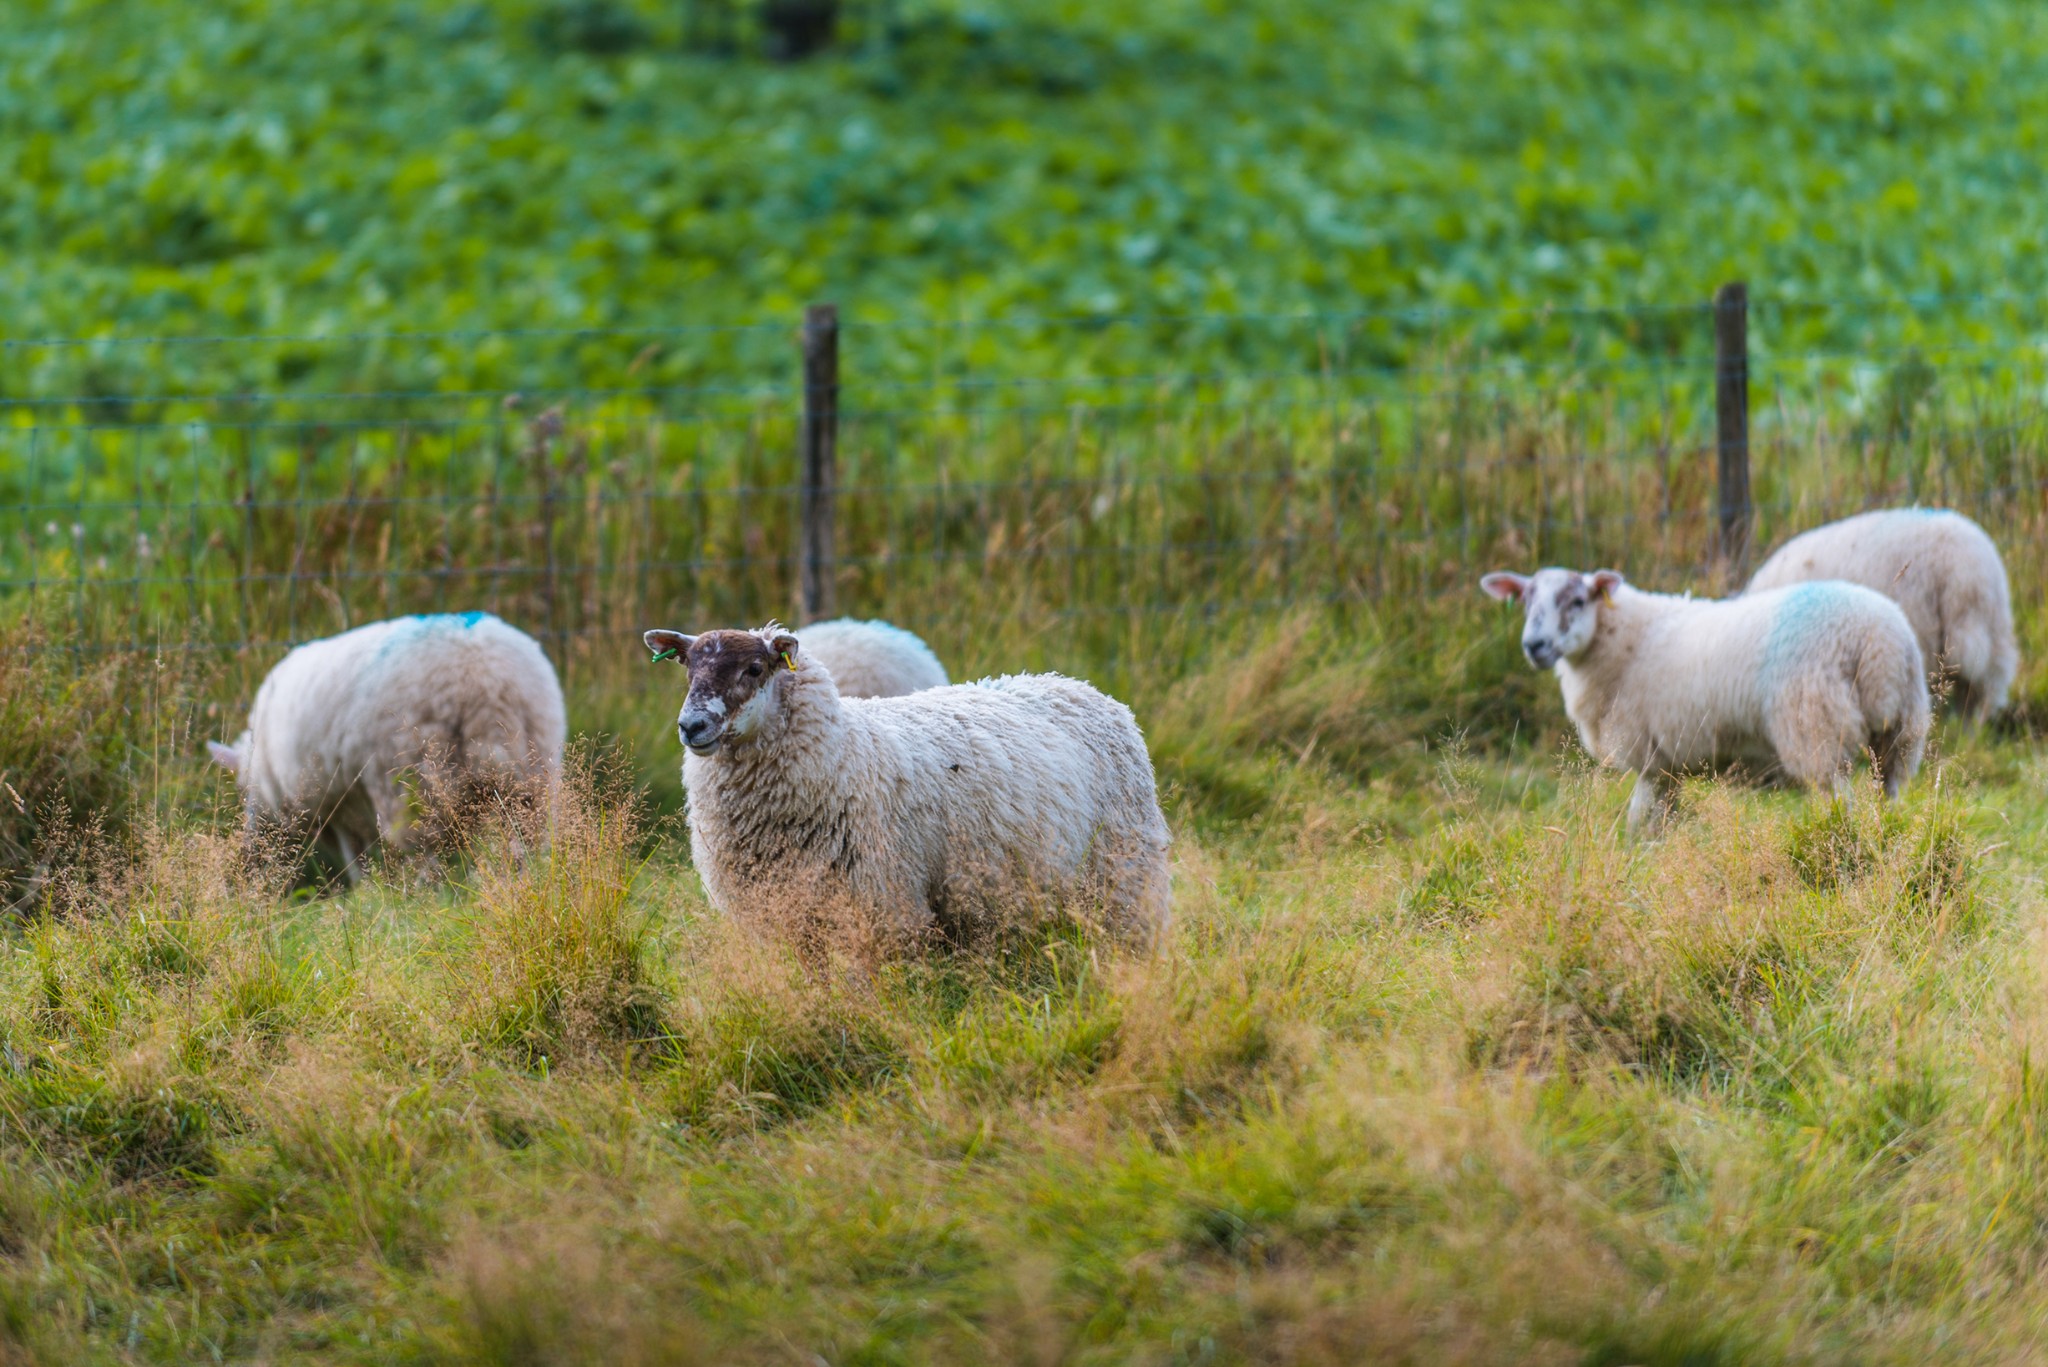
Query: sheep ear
1509	588
671	645
226	756
1605	582
784	645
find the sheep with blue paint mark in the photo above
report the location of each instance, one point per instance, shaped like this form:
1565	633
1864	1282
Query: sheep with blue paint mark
460	702
873	659
1942	570
1800	679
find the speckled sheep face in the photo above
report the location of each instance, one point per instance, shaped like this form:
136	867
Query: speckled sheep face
1560	609
733	678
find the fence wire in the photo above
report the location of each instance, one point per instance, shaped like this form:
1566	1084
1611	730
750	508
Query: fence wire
242	522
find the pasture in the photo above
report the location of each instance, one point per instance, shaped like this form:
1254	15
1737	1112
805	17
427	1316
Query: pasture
1206	352
1435	1065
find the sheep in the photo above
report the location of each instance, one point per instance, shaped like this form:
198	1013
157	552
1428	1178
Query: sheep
1804	677
463	699
962	811
1939	567
873	659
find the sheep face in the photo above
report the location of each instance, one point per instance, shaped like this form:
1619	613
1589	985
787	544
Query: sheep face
1561	610
733	678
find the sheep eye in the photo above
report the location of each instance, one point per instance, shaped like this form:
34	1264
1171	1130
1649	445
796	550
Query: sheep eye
753	671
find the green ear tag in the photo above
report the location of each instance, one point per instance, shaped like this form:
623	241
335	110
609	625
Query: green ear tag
668	654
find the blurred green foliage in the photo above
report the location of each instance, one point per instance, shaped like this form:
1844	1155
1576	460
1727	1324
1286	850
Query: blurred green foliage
264	166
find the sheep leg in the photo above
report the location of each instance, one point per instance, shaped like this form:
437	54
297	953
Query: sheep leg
1646	803
387	803
1897	755
350	869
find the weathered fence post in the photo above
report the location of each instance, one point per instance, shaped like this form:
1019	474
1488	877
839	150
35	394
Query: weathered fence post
820	457
1731	428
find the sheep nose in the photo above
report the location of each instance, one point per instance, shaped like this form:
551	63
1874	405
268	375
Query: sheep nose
1541	653
694	729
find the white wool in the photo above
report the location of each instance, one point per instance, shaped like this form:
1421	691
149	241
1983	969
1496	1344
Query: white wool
1939	567
963	808
873	659
1803	679
338	721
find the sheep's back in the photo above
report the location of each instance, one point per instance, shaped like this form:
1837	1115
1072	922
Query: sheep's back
872	659
1026	767
1702	678
466	690
1934	563
465	687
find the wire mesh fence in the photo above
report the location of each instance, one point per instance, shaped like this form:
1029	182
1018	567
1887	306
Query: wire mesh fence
171	519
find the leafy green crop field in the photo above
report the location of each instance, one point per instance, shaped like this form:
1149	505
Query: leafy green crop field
263	166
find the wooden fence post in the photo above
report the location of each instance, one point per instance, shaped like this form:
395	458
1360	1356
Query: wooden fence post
1731	429
820	457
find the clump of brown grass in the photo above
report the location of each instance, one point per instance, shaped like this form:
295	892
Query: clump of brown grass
1672	957
556	961
757	1036
357	1156
1313	695
180	936
1221	1018
67	783
550	1295
1683	955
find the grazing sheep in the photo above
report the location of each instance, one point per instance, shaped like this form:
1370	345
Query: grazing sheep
873	659
1941	569
461	698
966	810
1804	677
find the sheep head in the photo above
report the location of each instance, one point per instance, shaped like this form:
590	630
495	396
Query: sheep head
1560	609
733	677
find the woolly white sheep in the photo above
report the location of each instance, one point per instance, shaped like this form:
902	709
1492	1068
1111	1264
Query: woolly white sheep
873	659
460	698
958	810
1938	566
1804	677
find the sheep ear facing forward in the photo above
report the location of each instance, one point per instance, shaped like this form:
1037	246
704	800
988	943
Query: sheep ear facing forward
1605	582
784	645
669	645
1507	587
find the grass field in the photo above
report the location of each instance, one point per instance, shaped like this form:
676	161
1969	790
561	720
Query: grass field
1435	1067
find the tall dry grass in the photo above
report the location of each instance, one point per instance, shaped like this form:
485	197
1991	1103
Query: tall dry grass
556	963
1434	1067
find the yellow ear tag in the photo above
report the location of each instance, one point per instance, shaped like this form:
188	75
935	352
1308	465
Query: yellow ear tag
788	661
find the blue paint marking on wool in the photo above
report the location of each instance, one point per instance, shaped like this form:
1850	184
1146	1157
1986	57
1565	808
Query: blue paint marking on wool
468	619
1803	611
419	624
